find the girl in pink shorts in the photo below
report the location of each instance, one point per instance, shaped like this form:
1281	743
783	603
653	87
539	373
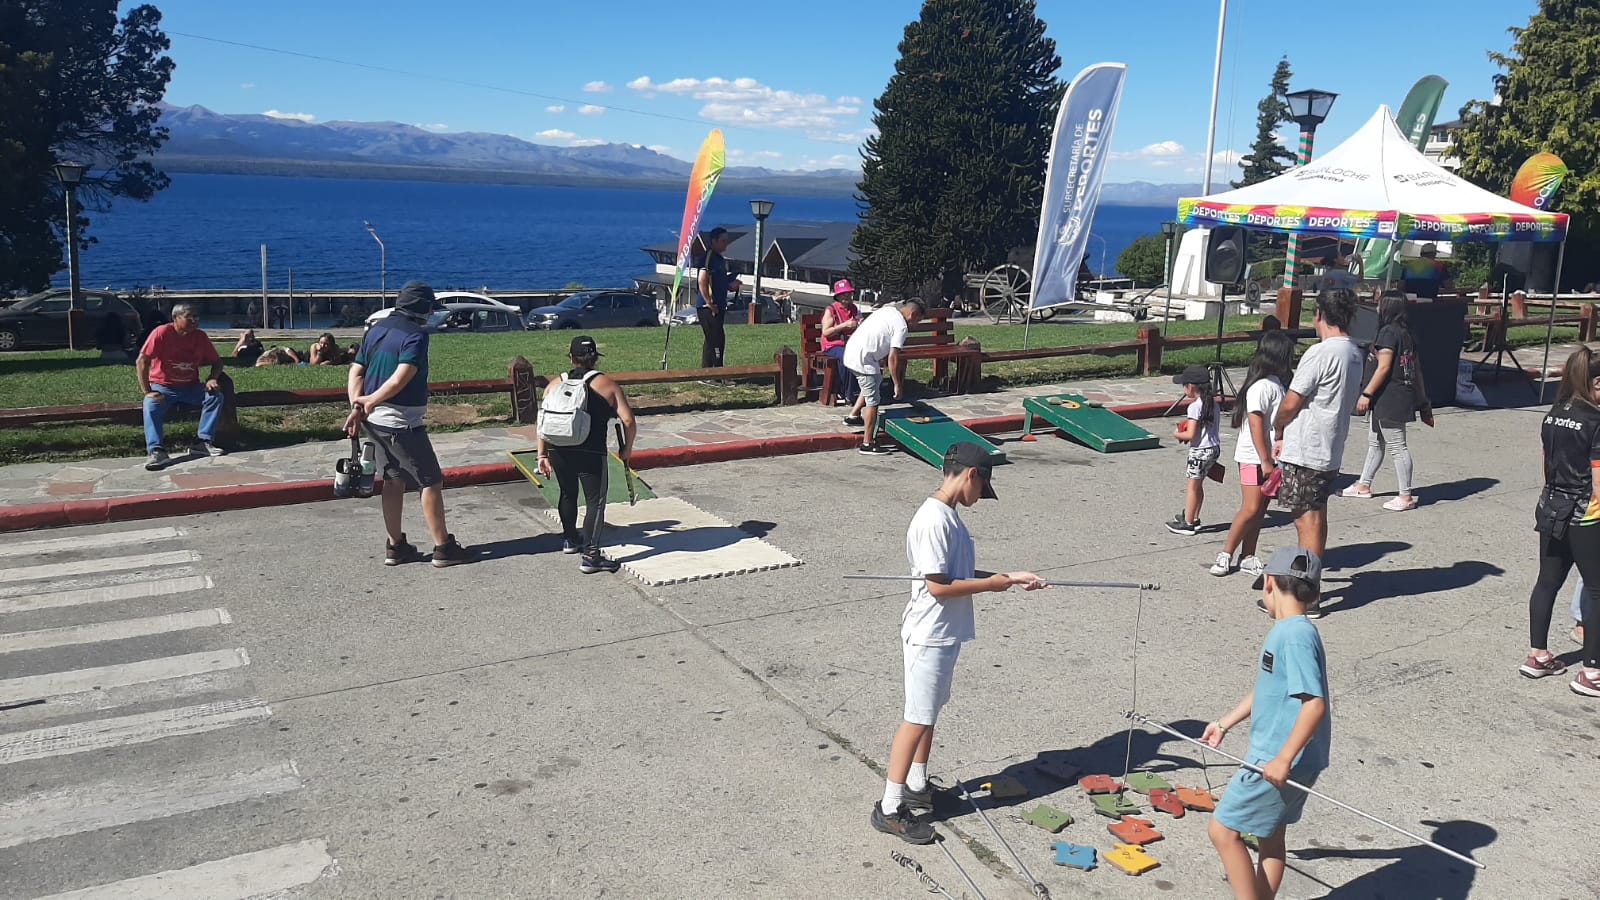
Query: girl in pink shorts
1263	391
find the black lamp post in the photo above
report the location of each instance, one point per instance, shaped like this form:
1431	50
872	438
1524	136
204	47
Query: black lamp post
70	174
383	266
1169	230
1308	109
760	209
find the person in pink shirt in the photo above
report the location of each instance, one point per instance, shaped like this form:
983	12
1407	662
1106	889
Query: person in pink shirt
839	321
168	369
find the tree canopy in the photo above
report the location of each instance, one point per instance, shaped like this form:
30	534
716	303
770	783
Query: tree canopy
1145	259
76	83
953	178
1268	157
1547	98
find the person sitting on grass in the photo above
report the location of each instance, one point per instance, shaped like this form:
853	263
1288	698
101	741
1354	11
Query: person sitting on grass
248	349
326	351
168	370
280	356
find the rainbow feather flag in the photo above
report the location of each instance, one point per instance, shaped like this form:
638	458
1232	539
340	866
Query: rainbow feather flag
702	181
1538	180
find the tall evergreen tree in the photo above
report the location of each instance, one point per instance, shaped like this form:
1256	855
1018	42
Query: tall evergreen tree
75	83
1548	99
1268	157
953	178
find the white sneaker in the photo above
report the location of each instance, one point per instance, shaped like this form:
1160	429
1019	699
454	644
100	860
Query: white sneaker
1223	565
1252	566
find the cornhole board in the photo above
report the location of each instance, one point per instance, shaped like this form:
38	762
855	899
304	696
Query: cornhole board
1094	426
928	433
527	462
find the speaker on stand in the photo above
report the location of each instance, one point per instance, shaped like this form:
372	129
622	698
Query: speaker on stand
1224	266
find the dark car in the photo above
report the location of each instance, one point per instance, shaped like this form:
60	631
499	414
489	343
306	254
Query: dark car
738	311
39	322
596	309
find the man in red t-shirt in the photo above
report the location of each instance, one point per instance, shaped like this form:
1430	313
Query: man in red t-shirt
169	375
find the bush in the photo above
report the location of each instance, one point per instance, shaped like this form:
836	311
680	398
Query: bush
1144	259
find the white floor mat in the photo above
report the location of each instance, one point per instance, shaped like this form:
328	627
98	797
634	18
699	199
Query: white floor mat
669	541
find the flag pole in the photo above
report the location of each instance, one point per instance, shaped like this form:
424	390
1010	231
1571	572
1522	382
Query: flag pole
1216	89
1550	326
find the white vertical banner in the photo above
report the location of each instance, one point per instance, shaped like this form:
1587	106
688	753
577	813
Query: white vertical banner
1078	152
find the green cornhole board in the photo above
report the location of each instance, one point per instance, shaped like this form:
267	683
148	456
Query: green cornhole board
1092	425
929	439
527	462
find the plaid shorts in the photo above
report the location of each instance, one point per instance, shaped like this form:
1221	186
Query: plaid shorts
1201	459
1303	489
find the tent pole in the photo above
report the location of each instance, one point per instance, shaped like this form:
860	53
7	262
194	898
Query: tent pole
1550	326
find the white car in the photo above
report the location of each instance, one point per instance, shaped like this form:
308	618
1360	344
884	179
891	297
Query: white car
475	317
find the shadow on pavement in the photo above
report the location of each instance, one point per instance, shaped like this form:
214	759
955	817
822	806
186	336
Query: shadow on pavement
757	528
1359	556
522	546
1417	871
1366	587
1454	490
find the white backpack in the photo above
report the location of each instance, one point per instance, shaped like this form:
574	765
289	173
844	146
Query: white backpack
564	414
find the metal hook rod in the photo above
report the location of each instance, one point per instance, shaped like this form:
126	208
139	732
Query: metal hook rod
1034	884
1128	585
1146	720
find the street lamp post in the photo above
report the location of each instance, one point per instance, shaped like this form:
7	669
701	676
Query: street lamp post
70	174
1308	109
383	266
760	209
1169	230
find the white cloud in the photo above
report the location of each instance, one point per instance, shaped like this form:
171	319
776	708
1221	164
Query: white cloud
748	102
660	148
558	108
597	87
1159	154
836	161
767	154
1227	158
586	142
555	134
248	86
591	110
437	126
298	117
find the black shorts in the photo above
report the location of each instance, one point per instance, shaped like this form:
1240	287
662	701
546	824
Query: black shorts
1303	489
406	454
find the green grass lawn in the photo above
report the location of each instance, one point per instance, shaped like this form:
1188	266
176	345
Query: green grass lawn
62	378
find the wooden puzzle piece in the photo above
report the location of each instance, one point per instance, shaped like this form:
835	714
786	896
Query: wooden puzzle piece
1099	784
1131	859
1113	806
1196	799
1005	788
1144	782
1047	817
1135	831
1167	802
1076	856
1060	770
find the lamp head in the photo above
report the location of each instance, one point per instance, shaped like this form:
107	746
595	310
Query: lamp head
70	173
760	209
1309	108
1169	228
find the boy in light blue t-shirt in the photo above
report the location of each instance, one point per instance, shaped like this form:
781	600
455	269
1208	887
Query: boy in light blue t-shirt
1290	730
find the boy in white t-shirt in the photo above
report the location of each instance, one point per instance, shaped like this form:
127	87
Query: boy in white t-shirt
936	621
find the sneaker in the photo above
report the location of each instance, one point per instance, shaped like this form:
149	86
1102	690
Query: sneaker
1357	491
403	552
1252	566
1223	565
449	553
902	824
855	421
873	450
592	563
158	459
571	545
1585	684
207	448
1401	504
1534	667
1177	525
916	800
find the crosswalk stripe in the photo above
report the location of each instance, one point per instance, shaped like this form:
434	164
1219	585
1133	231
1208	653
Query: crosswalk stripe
34	687
54	814
89	541
121	629
235	878
135	590
101	734
92	566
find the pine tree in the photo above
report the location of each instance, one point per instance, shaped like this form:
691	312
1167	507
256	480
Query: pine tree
953	178
1268	157
1548	95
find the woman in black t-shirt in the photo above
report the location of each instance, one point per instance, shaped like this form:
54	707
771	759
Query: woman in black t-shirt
1392	397
1568	519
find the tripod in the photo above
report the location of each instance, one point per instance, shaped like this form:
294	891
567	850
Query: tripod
1496	344
1221	383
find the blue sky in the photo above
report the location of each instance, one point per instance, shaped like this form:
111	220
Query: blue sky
792	84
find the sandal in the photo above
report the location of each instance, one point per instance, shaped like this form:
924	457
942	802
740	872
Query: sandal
1357	491
1401	504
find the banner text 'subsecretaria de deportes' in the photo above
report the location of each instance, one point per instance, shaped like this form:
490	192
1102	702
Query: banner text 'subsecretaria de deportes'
702	181
1078	151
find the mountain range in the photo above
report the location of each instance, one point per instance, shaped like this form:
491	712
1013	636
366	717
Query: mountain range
202	140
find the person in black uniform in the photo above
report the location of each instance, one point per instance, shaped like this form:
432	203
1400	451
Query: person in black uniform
1568	519
584	466
711	303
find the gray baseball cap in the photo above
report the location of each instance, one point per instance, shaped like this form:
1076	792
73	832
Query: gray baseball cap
1296	562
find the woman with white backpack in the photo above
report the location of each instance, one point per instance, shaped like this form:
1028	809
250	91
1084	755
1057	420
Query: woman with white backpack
578	406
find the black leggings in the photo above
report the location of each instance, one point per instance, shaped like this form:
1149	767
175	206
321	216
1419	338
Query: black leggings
587	470
1580	546
715	340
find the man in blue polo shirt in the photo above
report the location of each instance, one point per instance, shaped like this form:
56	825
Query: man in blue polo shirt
388	390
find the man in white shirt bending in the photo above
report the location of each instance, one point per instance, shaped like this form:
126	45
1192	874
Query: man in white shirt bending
878	341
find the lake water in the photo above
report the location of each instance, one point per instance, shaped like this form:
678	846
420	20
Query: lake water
205	231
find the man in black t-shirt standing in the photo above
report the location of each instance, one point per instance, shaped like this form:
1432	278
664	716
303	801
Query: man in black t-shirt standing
711	301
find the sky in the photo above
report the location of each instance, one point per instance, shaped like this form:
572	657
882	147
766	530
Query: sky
792	84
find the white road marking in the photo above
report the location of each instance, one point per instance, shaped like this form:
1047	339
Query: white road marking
136	590
91	566
235	878
35	687
100	734
116	630
54	814
90	541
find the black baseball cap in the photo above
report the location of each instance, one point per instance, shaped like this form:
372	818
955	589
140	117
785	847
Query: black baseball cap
584	347
1192	374
964	455
1296	562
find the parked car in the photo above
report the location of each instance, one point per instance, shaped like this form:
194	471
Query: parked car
40	321
738	312
465	318
596	309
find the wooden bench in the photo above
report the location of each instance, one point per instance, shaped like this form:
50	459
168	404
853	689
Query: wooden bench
933	338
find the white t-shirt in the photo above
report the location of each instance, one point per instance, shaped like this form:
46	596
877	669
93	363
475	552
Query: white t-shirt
1263	397
1206	434
870	343
937	543
1329	378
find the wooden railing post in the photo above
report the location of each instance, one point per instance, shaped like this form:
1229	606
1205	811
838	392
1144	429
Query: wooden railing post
1149	350
228	423
524	392
1519	305
1586	322
788	380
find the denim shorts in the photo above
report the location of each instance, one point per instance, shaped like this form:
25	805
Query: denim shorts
1251	805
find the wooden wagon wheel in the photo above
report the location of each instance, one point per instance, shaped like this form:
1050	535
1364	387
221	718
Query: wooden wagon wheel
1006	293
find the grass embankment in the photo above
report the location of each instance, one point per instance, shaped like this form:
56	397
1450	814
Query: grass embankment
63	378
